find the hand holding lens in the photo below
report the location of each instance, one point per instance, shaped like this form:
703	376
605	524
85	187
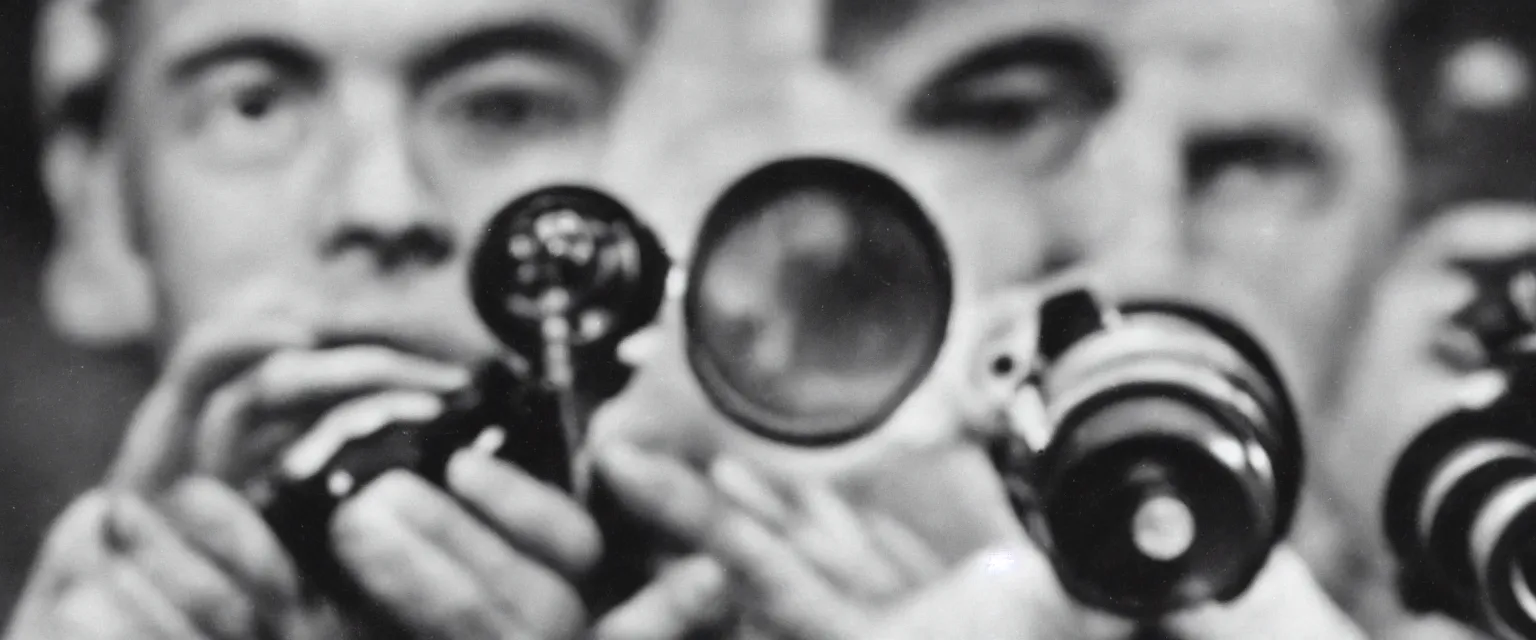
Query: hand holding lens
561	276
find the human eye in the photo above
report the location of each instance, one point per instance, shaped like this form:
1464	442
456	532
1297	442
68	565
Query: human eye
1041	95
248	111
1251	170
499	103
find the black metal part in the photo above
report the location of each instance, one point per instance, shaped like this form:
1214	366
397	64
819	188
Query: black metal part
1459	554
582	246
1202	422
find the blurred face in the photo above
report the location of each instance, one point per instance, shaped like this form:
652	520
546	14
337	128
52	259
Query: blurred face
1462	76
1235	152
341	156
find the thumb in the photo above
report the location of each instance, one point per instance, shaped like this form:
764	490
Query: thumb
1285	602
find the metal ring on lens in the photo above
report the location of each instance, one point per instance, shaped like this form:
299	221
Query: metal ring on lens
818	299
609	269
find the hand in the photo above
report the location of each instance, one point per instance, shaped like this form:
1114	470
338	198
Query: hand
496	563
234	396
197	563
1009	590
796	553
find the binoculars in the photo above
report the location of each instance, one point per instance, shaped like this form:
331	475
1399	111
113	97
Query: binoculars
1460	508
818	299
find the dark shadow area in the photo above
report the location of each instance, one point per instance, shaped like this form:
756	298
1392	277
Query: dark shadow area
60	407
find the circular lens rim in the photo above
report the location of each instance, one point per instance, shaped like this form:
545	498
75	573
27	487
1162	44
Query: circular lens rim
488	292
762	187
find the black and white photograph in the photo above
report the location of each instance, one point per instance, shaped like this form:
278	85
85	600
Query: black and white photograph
767	319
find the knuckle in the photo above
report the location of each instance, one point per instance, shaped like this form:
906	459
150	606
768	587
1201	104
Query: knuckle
557	612
400	490
279	367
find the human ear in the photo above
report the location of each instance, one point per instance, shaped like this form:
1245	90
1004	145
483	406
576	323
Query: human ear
97	286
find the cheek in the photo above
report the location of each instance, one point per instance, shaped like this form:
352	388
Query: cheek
995	224
215	236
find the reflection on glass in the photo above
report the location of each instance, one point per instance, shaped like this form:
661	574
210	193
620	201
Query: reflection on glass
818	307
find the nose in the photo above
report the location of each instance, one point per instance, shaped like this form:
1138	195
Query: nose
1135	185
384	210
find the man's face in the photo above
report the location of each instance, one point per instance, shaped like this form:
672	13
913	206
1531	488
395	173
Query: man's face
1237	151
342	156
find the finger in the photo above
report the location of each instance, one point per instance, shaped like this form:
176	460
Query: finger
534	516
532	593
221	525
352	420
918	563
782	588
414	579
664	492
780	584
749	490
687	596
76	544
189	582
1285	602
120	603
1482	230
159	439
293	379
832	537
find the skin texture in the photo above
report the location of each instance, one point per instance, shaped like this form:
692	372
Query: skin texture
367	175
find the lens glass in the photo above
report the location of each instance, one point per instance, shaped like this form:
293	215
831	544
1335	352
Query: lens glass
819	298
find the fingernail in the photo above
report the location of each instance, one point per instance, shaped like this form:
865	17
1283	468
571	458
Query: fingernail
747	488
468	468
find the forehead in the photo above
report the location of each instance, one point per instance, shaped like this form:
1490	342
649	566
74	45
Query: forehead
1291	37
369	28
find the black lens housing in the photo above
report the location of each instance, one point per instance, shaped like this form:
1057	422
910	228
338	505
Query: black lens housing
1155	403
1460	511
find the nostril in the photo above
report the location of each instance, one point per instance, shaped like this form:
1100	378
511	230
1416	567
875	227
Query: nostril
416	245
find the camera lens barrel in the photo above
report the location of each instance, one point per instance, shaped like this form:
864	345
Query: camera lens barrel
1174	461
1460	513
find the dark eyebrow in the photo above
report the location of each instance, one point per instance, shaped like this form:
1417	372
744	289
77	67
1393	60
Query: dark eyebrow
535	37
1092	74
278	52
1056	50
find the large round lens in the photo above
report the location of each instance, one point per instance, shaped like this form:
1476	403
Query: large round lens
819	297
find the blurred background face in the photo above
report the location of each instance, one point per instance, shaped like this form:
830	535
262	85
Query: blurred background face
1461	75
342	156
1235	151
